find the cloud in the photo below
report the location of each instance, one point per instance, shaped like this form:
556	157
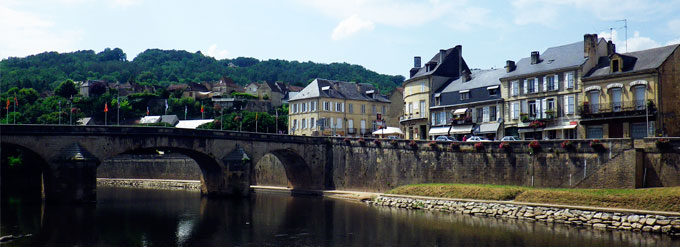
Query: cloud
369	14
217	54
351	26
635	43
24	33
113	3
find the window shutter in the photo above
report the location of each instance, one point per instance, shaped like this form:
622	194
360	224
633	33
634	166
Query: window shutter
474	115
512	111
545	84
556	83
535	85
573	77
525	107
525	86
544	104
566	105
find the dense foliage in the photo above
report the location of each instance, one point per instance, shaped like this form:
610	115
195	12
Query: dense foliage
46	71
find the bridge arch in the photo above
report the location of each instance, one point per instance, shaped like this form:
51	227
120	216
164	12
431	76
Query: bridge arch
27	179
283	163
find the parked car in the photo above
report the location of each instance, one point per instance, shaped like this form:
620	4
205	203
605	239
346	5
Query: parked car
477	139
393	137
445	139
509	138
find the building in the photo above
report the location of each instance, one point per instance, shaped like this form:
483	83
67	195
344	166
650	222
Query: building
633	95
336	108
196	91
445	66
273	92
396	109
471	104
541	92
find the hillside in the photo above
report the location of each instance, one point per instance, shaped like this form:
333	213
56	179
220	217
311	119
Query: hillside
163	67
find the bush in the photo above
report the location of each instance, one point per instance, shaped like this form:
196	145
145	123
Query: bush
504	146
454	146
377	142
413	144
361	141
566	144
597	145
346	140
394	142
663	143
433	145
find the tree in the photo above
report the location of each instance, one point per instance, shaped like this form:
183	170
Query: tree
66	89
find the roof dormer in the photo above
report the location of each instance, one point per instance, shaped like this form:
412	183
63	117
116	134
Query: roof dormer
615	64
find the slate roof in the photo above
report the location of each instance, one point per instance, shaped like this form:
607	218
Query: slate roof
480	78
554	58
444	68
634	61
339	90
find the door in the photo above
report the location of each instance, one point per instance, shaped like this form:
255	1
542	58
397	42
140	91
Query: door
616	130
638	130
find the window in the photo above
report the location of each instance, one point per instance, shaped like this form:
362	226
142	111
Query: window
532	85
464	95
550	83
569	81
437	100
569	104
384	109
550	108
486	115
313	106
410	108
594	132
594	97
350	108
312	124
514	87
616	99
442	118
422	86
480	115
532	108
515	110
493	92
304	107
639	94
363	109
339	107
615	66
304	124
338	123
492	113
326	106
373	110
350	125
295	108
422	108
637	130
294	123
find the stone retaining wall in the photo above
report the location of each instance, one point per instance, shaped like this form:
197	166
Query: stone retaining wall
585	218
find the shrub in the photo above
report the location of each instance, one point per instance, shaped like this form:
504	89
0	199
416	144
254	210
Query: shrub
597	145
534	144
346	140
361	141
479	146
376	142
394	142
537	124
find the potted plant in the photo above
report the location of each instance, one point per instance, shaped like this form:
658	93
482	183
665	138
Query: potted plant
567	144
535	146
597	145
433	145
504	146
454	146
479	146
537	124
550	114
524	117
413	144
663	143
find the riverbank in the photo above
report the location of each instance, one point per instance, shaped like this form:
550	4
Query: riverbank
652	199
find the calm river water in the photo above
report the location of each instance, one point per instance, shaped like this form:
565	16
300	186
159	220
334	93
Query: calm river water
139	217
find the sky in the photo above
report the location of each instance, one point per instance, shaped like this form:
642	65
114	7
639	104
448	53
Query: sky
380	35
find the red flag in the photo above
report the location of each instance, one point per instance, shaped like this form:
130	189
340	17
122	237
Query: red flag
147	111
106	107
256	116
16	103
201	108
7	107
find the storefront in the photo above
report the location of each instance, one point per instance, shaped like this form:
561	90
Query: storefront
488	130
456	131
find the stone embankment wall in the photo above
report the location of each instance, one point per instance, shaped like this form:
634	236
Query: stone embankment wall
168	166
553	215
371	166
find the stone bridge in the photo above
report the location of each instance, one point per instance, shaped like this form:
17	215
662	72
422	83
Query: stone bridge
68	156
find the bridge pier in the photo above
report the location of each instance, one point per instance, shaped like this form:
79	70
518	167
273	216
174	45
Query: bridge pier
72	177
233	177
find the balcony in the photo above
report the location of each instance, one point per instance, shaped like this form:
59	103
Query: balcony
364	131
460	121
527	118
616	109
412	116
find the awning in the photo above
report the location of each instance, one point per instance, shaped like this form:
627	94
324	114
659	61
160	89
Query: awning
438	131
560	127
388	131
489	128
525	130
150	120
191	124
460	111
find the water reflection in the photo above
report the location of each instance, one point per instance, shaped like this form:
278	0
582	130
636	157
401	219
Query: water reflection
128	217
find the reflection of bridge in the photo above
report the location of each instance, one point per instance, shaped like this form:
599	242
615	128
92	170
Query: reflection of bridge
69	155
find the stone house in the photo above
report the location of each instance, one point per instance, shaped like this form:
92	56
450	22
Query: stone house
445	66
541	92
633	95
471	104
336	108
396	109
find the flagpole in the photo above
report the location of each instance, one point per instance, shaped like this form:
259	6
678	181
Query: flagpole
70	111
118	109
256	122
15	108
277	120
60	112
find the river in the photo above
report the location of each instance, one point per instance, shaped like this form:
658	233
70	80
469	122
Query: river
147	217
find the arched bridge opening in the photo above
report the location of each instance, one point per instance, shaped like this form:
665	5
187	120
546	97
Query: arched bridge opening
23	174
284	168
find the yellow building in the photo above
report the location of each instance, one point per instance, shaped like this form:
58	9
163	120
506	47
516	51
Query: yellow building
623	99
336	108
445	66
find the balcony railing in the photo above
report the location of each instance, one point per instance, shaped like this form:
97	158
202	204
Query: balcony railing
623	108
412	116
549	115
364	131
351	131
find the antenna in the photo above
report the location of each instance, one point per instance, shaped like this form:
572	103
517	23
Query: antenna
625	26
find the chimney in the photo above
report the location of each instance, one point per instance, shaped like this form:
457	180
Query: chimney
459	53
466	76
416	62
509	66
535	57
442	54
589	45
611	48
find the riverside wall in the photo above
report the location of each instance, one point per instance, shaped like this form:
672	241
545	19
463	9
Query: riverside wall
168	166
577	216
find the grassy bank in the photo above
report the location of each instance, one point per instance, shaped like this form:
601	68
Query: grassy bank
660	199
